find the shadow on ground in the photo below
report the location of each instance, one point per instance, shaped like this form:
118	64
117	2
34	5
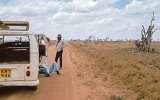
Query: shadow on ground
8	91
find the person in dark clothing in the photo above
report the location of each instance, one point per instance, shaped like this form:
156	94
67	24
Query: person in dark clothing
59	55
60	45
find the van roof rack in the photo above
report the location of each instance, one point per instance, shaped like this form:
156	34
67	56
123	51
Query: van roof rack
14	25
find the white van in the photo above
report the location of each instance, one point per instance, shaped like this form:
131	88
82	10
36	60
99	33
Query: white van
19	55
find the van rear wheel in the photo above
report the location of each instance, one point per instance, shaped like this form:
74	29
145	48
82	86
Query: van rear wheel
34	88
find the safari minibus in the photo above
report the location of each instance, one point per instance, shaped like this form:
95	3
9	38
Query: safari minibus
19	55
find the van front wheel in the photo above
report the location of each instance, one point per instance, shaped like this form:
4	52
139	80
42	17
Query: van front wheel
34	88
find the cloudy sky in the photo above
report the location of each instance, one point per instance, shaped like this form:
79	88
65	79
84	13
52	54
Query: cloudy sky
78	19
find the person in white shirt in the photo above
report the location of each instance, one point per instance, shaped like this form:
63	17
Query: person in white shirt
60	45
42	49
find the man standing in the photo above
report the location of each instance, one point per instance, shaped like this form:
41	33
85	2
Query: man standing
42	48
60	45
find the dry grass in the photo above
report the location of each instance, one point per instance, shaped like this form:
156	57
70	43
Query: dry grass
140	73
113	97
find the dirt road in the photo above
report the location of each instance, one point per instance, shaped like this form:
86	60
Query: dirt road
76	82
56	87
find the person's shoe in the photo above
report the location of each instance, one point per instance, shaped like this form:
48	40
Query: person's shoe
60	68
47	75
58	73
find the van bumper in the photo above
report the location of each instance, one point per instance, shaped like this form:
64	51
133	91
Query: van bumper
20	83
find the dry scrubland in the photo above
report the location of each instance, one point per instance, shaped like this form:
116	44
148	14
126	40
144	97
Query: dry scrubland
113	70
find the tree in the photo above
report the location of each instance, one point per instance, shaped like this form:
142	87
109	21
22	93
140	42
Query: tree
91	38
145	43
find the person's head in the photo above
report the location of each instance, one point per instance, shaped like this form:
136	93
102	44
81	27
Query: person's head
59	37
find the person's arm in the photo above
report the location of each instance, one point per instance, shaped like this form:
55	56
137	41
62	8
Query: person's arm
64	44
56	44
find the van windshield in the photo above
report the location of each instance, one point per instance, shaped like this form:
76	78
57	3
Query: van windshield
14	49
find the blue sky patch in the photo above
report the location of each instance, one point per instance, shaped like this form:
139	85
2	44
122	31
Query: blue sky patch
120	4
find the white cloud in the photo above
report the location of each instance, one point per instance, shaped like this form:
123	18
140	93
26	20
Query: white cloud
78	6
83	17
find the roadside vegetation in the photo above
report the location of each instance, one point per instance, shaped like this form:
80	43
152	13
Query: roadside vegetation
136	75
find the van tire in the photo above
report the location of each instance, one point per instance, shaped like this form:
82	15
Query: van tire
34	88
